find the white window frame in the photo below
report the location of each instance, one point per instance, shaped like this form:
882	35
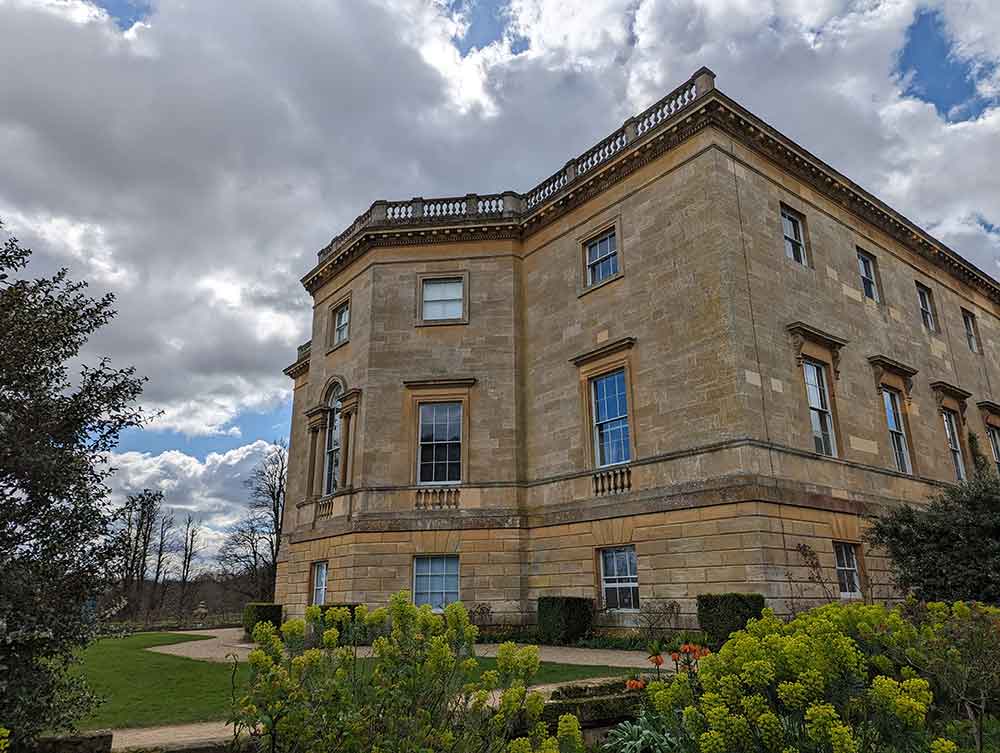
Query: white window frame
333	443
951	431
598	424
612	254
971	331
897	436
993	435
618	582
869	276
795	244
341	323
421	443
427	283
823	411
925	299
443	560
318	595
848	573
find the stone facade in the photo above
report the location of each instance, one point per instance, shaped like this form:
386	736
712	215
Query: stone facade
710	322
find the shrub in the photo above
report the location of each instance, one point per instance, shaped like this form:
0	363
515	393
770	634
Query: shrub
719	615
258	611
564	619
420	690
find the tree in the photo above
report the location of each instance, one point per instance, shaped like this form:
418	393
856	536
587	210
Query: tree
56	433
190	546
948	550
138	521
249	555
267	494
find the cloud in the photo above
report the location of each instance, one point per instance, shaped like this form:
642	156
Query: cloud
195	162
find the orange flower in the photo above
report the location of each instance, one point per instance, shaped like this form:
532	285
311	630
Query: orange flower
675	655
656	660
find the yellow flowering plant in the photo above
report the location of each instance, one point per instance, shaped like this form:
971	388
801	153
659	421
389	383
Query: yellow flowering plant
419	689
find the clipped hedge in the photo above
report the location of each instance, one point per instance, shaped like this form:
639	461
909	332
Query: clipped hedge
260	611
564	619
721	614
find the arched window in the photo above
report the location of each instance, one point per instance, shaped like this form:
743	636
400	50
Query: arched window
332	464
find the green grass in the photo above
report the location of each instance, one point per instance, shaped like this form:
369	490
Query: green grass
143	688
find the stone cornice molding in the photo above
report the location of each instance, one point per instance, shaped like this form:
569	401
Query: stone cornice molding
944	390
882	365
802	333
695	105
607	349
989	409
438	383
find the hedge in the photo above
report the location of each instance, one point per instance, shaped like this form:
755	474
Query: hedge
564	619
259	611
722	614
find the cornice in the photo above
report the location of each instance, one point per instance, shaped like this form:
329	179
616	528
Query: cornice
563	192
438	383
615	346
298	368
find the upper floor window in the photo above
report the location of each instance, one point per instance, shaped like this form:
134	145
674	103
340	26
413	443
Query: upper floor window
926	301
795	244
435	580
951	425
331	473
971	330
602	258
897	430
869	280
341	323
993	433
439	459
619	578
820	413
443	299
610	416
847	569
318	595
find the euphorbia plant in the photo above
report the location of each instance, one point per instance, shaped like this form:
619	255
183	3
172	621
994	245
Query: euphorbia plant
419	692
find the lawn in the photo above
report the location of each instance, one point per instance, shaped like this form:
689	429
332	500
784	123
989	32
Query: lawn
144	688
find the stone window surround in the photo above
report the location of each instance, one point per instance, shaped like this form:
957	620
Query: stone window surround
434	555
859	564
599	573
932	302
595	229
312	581
970	319
437	390
894	375
316	418
797	213
463	275
952	398
332	323
605	358
877	276
813	344
991	420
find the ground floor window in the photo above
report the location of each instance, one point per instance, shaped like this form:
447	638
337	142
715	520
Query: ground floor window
435	580
318	583
619	578
847	570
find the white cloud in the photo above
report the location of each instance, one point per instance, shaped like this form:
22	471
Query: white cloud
195	163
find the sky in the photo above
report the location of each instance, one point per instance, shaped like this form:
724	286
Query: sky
192	156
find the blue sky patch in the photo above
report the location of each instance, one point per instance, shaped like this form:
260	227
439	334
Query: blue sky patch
486	19
126	12
936	75
253	426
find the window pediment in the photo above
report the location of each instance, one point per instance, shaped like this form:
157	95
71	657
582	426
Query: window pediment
803	333
883	366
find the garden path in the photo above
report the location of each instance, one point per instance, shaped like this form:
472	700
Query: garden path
226	641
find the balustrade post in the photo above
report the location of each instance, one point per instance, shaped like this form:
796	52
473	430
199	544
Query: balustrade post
417	207
570	170
513	204
471	204
630	132
704	81
379	211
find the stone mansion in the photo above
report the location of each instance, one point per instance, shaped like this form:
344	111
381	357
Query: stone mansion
691	349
